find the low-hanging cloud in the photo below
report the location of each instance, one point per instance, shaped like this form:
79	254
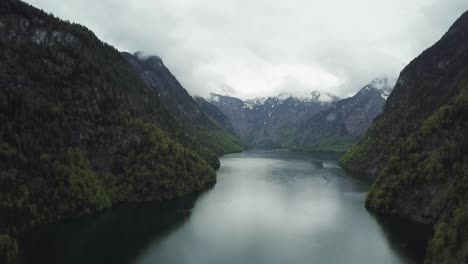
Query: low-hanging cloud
252	48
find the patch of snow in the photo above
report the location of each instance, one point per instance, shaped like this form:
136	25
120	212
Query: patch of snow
326	98
318	97
248	105
283	96
383	84
251	103
215	98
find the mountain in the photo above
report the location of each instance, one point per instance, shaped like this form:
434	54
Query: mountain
346	120
214	112
416	152
316	121
195	122
80	130
262	122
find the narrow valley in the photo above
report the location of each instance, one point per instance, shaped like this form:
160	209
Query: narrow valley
260	138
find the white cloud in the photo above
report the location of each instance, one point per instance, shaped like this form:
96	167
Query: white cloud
265	47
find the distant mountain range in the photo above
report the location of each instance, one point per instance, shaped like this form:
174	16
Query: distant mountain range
318	120
85	127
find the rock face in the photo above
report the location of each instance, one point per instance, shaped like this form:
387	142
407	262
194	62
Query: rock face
319	120
214	112
416	152
348	119
195	122
171	93
264	122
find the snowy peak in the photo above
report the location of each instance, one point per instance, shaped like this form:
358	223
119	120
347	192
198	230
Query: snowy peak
312	97
382	84
214	97
316	96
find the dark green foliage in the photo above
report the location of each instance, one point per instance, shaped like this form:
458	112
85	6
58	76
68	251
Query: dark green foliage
195	127
221	142
8	249
80	130
435	155
157	168
450	235
416	152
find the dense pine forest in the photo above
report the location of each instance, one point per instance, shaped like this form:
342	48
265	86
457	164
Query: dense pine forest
86	127
81	131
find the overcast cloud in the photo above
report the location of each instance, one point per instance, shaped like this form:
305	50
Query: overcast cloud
256	48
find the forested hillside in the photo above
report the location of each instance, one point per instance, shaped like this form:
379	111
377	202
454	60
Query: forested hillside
80	130
187	113
416	152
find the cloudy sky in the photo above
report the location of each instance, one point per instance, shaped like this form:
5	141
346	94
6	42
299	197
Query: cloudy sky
252	48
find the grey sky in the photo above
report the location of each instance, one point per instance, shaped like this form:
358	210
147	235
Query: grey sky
265	47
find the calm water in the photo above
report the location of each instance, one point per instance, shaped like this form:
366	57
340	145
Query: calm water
267	207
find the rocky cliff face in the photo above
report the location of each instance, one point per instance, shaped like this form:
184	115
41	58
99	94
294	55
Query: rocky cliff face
416	152
170	92
212	111
348	119
195	122
321	120
263	122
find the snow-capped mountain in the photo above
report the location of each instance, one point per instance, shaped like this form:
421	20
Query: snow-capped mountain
317	96
313	98
258	121
383	84
348	119
286	120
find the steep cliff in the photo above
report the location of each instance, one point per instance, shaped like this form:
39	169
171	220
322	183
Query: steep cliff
417	150
212	111
187	113
268	122
80	130
347	120
318	121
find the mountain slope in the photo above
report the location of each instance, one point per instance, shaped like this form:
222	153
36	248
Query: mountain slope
80	130
182	106
417	150
262	122
319	121
346	120
214	112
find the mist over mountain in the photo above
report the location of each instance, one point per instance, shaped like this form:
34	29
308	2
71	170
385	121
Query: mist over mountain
316	120
105	155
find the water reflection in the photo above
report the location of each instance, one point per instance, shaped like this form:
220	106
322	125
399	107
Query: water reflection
114	236
267	207
278	208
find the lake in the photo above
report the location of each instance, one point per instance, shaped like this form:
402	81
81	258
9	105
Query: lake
267	207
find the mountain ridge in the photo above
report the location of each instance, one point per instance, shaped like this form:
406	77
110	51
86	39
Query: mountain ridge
416	152
81	131
182	105
293	122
